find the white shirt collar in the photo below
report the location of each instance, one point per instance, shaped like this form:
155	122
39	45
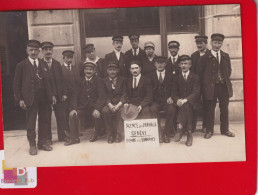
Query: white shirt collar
176	57
32	61
66	65
95	61
50	60
117	54
86	79
137	51
137	79
162	73
186	73
214	53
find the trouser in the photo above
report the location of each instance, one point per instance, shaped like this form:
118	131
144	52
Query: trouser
155	108
66	113
204	117
76	119
112	126
220	93
59	110
40	107
185	116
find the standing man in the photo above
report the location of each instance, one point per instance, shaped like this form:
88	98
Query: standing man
139	91
136	53
148	64
185	93
90	53
201	43
173	61
33	91
161	89
57	75
88	97
115	92
117	56
216	71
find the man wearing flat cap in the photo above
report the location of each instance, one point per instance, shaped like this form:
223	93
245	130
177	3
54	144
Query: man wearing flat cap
185	93
148	63
70	72
216	84
87	97
115	92
201	43
161	81
173	61
136	53
33	90
90	54
57	75
117	56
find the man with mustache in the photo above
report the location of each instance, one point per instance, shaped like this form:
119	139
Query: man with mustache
117	56
173	61
215	73
87	97
185	93
148	63
201	43
115	92
59	109
33	90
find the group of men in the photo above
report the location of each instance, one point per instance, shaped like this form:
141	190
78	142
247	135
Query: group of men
122	84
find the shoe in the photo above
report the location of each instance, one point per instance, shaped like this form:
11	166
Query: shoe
166	139
45	147
110	139
208	135
72	141
178	135
229	134
33	150
117	139
93	137
189	140
160	139
49	142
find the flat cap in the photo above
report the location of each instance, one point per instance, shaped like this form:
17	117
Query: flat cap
89	47
68	53
160	59
173	44
88	64
33	43
184	57
112	64
117	38
217	37
201	38
134	36
47	44
149	44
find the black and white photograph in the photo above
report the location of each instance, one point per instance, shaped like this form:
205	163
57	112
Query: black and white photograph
119	86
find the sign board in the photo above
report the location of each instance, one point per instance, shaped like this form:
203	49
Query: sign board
140	133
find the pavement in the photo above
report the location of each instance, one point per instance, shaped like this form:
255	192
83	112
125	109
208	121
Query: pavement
219	148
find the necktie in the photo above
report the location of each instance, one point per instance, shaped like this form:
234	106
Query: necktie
134	52
174	60
160	78
185	77
218	56
34	63
113	82
134	85
69	66
49	64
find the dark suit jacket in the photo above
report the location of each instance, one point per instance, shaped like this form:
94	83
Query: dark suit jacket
155	83
92	98
173	68
195	58
148	66
208	77
69	78
117	95
101	69
23	82
189	89
111	57
144	91
129	58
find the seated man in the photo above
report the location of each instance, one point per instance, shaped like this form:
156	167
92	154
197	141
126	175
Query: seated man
185	93
161	86
86	97
115	92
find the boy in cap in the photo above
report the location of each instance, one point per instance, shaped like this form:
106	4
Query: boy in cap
136	53
185	93
33	90
117	56
148	63
57	75
173	61
161	81
115	92
90	53
215	73
87	97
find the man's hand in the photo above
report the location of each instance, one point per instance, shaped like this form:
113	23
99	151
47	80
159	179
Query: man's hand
126	105
139	108
183	101
72	113
53	100
116	107
22	105
169	100
64	98
111	107
179	102
96	113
